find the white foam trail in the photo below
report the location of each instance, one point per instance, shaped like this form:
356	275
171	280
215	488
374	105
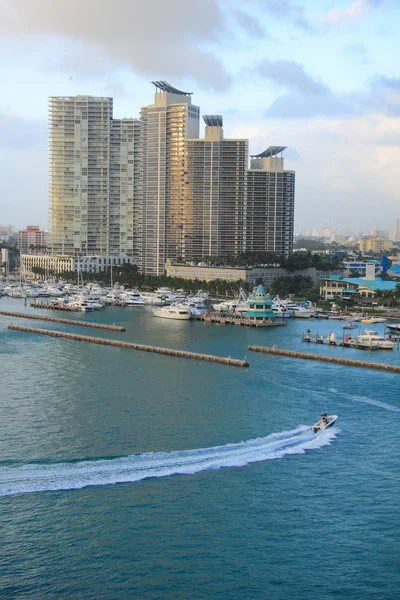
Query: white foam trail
372	402
68	476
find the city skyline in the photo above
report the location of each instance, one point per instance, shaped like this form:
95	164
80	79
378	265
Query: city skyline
278	72
151	189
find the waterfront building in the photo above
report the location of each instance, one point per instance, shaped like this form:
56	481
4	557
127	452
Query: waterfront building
93	177
31	236
215	191
79	147
60	264
164	211
351	288
270	203
124	185
259	306
267	274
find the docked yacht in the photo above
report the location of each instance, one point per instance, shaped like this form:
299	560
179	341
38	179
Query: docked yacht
370	339
305	311
373	320
180	313
132	298
324	422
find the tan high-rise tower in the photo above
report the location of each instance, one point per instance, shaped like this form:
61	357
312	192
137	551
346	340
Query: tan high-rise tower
165	127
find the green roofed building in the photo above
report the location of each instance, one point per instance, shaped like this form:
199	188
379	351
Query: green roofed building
260	306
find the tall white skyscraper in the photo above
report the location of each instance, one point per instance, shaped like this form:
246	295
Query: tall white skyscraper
165	127
79	146
270	204
93	177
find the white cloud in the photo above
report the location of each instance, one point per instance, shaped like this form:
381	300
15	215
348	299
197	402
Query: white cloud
348	168
356	10
161	39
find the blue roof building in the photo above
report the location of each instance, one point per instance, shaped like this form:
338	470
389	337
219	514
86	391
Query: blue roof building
351	287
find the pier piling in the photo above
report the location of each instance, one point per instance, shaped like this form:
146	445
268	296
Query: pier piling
331	359
234	362
7	313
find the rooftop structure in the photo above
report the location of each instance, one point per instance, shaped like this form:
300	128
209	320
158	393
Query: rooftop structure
213	120
270	151
164	86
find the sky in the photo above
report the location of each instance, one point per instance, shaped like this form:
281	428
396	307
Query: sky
318	76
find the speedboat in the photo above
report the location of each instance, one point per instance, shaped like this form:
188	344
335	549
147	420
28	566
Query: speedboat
324	422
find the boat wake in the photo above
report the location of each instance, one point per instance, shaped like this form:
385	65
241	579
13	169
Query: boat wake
37	477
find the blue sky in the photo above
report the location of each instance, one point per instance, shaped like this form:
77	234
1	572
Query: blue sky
320	77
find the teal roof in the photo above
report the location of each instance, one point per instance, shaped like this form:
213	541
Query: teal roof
260	290
372	284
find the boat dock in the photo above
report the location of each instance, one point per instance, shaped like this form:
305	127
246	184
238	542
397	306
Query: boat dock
130	346
66	321
330	359
232	319
347	341
53	306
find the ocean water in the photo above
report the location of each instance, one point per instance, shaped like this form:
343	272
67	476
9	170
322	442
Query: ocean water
131	475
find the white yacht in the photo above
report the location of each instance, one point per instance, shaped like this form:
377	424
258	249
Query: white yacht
370	339
181	313
300	312
132	298
152	298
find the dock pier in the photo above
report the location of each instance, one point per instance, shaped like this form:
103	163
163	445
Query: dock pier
234	362
231	319
8	313
330	359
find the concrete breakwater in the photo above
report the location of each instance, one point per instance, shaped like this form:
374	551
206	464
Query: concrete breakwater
57	320
331	359
130	346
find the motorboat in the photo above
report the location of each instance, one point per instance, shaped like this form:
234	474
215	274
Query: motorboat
372	340
324	422
181	313
394	328
373	320
350	325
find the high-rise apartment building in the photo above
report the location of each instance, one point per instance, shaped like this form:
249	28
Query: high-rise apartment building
79	147
215	176
164	128
151	190
270	203
124	186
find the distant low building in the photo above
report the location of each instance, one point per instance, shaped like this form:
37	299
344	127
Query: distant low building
361	266
250	275
60	264
375	244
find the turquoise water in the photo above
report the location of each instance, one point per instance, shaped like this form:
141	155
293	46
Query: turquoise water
131	475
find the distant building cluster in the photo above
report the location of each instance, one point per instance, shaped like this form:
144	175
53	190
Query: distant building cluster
152	190
32	240
349	237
